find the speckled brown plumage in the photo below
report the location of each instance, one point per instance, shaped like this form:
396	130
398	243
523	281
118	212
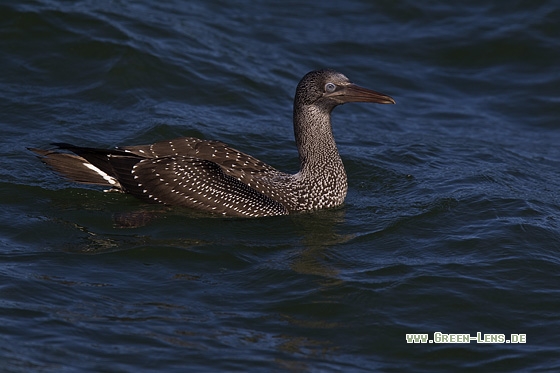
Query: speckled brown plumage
211	176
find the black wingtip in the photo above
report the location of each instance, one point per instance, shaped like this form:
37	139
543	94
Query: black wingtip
65	146
45	152
38	152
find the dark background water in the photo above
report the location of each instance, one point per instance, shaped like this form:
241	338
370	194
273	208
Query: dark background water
451	222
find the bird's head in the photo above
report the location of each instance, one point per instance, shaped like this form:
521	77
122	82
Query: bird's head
328	88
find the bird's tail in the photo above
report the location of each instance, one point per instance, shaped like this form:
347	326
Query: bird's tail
78	168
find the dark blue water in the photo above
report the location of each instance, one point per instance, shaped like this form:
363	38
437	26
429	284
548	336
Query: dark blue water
451	223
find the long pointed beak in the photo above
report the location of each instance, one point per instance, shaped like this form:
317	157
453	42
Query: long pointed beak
355	93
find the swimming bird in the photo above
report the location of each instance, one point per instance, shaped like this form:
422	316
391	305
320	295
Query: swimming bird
214	177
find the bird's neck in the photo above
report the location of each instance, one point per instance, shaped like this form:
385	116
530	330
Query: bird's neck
318	154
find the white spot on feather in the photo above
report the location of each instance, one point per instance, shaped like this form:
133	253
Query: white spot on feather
111	180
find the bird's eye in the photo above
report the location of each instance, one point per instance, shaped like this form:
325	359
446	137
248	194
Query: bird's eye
330	87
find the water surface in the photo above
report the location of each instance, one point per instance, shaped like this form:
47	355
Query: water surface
451	223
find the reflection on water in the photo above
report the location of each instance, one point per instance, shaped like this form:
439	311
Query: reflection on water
318	233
